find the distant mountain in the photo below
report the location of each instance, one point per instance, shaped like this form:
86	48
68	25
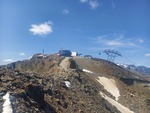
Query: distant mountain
138	69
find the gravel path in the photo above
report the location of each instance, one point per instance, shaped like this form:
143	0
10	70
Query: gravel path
65	63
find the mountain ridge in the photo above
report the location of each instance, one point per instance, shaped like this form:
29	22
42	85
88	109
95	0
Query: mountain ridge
71	85
145	71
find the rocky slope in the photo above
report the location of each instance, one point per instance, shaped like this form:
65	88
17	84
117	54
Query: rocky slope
54	84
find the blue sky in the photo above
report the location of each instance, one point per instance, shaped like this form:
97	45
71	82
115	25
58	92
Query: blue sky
85	26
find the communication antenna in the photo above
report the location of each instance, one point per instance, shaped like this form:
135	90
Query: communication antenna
112	54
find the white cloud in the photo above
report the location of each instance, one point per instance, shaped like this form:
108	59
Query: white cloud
140	40
94	4
65	11
83	1
115	40
105	40
22	54
113	4
114	43
147	55
131	44
41	29
8	60
118	41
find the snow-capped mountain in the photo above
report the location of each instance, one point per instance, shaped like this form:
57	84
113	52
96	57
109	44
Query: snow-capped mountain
140	69
123	65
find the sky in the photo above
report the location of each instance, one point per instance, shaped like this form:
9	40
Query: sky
85	26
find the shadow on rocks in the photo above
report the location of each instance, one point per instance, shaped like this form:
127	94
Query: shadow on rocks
37	94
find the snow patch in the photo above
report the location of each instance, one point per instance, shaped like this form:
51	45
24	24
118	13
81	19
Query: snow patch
123	65
119	106
68	84
110	86
87	71
7	108
42	56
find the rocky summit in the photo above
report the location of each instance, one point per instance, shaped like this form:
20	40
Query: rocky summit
56	84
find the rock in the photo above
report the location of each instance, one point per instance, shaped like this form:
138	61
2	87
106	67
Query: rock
72	64
66	84
39	86
36	93
49	91
90	90
65	105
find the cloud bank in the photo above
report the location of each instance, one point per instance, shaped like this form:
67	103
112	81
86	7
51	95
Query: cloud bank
8	60
41	29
